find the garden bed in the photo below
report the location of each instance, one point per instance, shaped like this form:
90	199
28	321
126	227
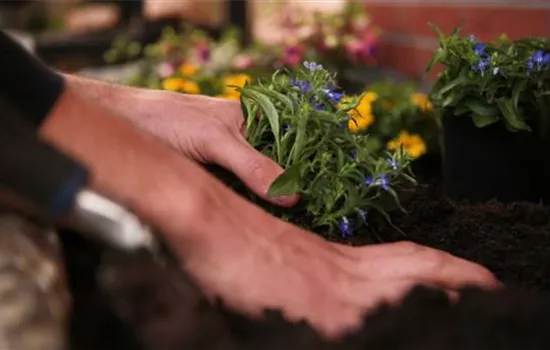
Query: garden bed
168	313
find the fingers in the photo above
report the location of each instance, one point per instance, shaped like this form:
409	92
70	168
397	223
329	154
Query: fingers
429	266
256	170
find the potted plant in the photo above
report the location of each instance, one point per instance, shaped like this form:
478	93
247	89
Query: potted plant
495	104
299	120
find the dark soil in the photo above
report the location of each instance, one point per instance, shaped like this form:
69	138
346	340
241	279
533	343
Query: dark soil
128	302
512	240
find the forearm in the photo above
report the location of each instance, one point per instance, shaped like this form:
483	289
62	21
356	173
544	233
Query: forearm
134	104
125	164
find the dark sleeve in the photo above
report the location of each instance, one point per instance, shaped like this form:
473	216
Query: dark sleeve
33	169
27	82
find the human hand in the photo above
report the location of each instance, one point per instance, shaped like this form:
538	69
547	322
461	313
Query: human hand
234	249
208	130
253	261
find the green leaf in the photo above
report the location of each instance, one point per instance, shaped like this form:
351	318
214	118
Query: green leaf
288	183
453	84
484	120
246	108
436	29
275	96
436	58
511	116
516	93
270	113
481	108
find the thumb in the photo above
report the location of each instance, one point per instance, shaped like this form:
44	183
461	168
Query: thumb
256	170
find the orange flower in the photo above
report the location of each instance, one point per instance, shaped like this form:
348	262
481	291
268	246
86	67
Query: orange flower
181	85
232	80
172	84
361	116
422	101
413	144
230	96
188	69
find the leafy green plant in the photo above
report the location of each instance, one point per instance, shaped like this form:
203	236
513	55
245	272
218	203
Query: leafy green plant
298	119
505	80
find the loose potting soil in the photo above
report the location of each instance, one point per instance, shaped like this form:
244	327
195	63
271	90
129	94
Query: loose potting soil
138	304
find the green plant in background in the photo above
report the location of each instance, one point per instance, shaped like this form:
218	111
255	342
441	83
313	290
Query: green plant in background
396	115
504	81
299	120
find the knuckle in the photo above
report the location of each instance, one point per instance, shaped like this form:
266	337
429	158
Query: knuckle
435	259
408	247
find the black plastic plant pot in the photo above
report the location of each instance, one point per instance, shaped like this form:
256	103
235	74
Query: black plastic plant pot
481	164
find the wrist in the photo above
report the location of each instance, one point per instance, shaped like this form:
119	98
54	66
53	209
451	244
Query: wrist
126	165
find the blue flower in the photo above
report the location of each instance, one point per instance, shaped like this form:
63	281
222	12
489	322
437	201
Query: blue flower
479	49
362	215
355	155
381	181
481	65
316	104
345	227
369	180
496	70
312	66
286	127
393	163
303	86
538	61
332	95
384	183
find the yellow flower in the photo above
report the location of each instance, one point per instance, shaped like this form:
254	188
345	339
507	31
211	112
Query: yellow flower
231	96
413	144
181	85
360	123
172	84
188	69
361	116
370	97
190	87
421	101
235	80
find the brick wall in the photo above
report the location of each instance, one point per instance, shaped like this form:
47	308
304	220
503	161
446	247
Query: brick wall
408	42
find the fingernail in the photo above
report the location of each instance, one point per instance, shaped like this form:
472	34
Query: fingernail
284	199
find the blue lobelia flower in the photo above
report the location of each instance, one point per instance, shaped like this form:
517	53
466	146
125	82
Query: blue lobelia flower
384	183
381	181
369	180
393	163
312	66
303	86
479	49
538	61
332	95
482	65
362	215
345	227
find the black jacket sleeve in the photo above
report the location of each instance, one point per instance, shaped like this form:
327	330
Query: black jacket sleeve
26	82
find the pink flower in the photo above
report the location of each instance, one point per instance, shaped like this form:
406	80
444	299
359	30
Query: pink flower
243	61
165	70
202	50
293	55
361	49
